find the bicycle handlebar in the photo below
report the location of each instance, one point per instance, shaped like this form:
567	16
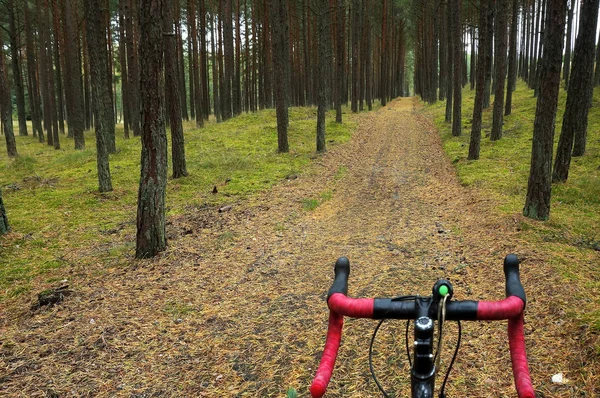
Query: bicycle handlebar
510	308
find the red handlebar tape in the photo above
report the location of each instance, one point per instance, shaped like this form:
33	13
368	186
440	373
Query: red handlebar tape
355	308
510	308
334	336
518	356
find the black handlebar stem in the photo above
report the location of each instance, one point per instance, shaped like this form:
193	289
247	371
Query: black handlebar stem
342	271
513	282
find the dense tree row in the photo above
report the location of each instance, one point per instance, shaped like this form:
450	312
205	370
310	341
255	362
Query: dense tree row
71	65
510	39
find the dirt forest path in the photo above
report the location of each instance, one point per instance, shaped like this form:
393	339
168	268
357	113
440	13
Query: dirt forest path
236	307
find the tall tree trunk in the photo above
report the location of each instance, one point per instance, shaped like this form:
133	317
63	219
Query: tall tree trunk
103	117
34	92
58	50
247	60
204	62
237	91
87	83
443	48
537	203
484	36
384	80
151	225
268	67
6	108
16	67
194	74
512	58
74	87
472	66
500	28
172	93
450	64
181	63
51	93
597	70
489	51
368	60
4	226
190	51
567	65
544	18
458	60
324	62
281	61
435	52
133	65
229	59
355	52
579	96
215	74
124	80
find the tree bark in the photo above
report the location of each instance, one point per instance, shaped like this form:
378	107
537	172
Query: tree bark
567	65
500	28
450	65
151	229
229	59
193	36
324	62
484	36
339	59
280	30
4	226
52	126
489	50
103	117
181	63
458	60
34	90
237	91
579	96
124	78
133	66
597	70
172	94
58	51
537	203
74	87
368	61
16	67
383	71
215	74
512	58
203	61
6	107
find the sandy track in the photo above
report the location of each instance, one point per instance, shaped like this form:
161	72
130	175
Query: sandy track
236	305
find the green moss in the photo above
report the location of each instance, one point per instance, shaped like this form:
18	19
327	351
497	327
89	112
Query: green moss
503	168
51	196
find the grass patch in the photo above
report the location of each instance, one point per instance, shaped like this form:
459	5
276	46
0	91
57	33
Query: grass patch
571	236
310	204
54	207
503	168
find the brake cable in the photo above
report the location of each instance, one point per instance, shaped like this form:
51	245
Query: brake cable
441	320
399	298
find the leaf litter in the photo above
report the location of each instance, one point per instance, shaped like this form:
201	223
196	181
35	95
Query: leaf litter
236	306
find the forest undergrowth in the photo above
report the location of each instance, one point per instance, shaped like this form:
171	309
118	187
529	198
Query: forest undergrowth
236	305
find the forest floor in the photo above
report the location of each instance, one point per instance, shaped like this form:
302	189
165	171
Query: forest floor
236	305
